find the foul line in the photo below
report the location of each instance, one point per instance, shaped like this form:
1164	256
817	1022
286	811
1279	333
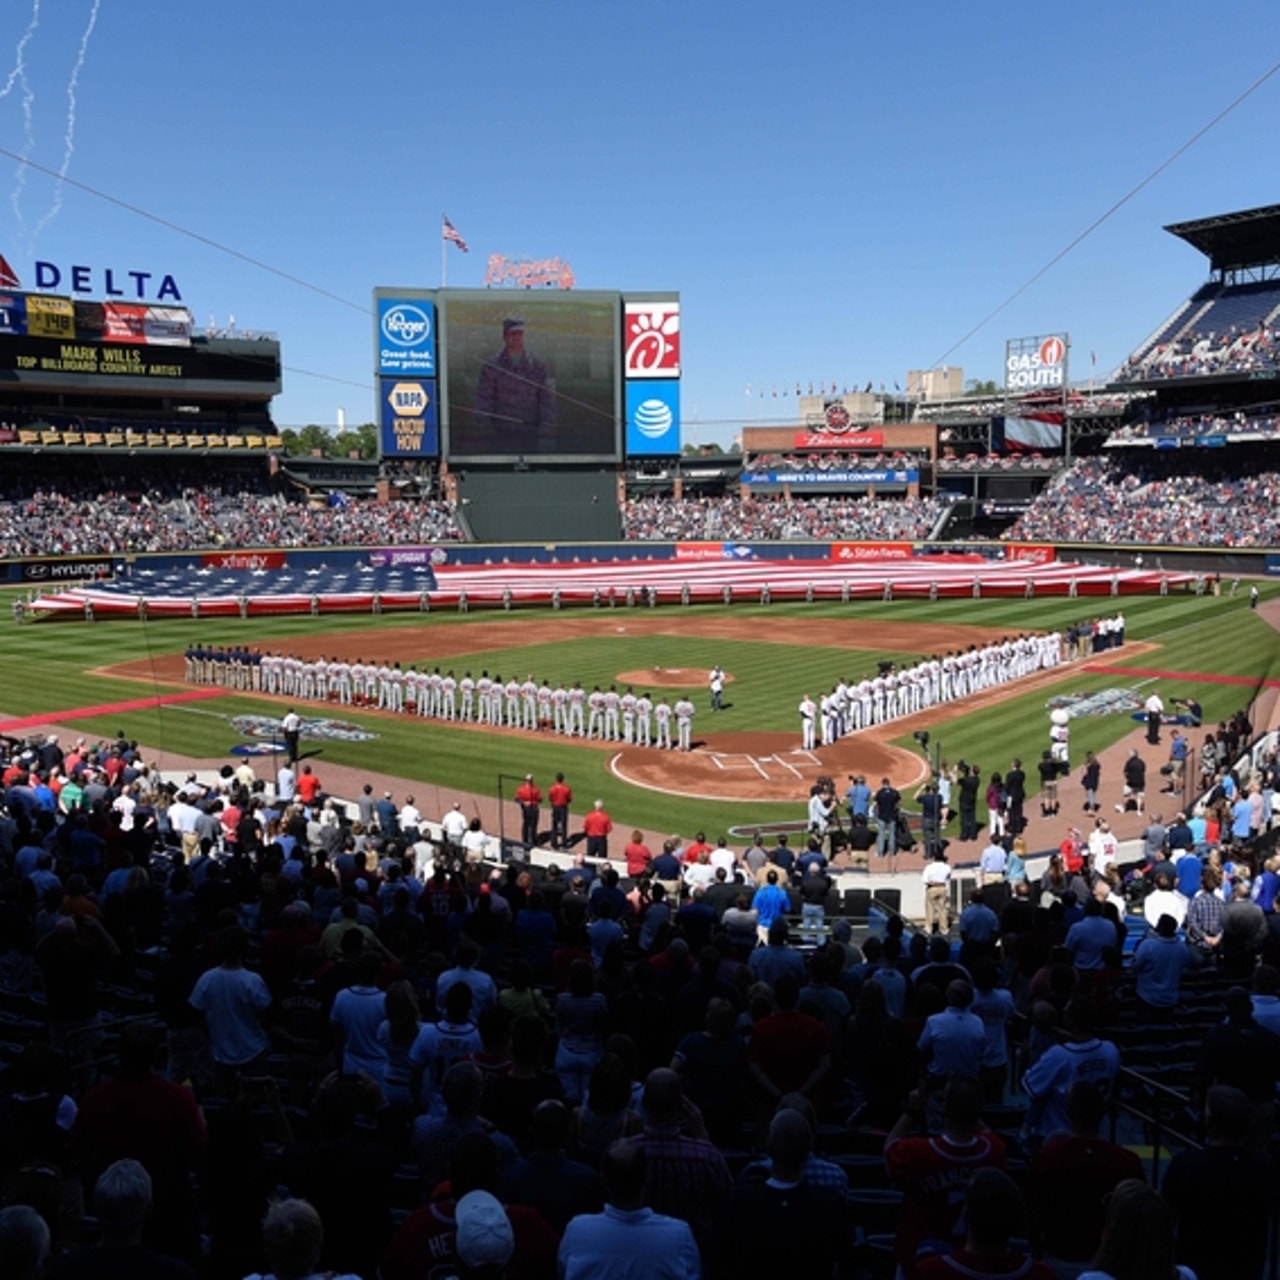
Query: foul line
112	708
1203	677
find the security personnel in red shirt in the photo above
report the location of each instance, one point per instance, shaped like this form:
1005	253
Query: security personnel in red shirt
529	798
561	796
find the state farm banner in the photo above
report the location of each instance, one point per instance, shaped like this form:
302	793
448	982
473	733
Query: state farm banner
1031	552
700	551
167	326
124	322
834	440
847	552
248	561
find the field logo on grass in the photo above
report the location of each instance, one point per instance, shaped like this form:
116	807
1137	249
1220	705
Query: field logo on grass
1103	702
319	729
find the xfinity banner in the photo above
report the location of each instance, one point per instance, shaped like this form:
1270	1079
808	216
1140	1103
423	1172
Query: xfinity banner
830	477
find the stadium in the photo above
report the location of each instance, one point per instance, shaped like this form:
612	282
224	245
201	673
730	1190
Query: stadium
922	637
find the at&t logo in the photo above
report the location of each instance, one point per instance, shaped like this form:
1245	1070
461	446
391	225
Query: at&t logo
654	419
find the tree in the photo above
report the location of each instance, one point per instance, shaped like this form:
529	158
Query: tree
362	440
975	387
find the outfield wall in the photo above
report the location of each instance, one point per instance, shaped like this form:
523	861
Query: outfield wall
46	571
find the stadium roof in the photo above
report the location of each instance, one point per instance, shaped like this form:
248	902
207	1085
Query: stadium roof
1250	238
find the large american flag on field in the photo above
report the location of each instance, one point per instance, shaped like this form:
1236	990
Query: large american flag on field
449	233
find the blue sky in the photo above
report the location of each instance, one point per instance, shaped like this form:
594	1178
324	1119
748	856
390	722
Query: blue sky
839	191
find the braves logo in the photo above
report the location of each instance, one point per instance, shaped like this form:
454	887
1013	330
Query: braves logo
1102	702
319	728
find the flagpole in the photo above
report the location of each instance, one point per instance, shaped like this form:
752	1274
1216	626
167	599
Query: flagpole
444	256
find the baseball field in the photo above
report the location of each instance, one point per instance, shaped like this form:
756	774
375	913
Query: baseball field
97	679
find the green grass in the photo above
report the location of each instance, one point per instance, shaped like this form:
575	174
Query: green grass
47	667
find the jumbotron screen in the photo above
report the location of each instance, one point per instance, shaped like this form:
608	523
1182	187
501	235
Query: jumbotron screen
530	375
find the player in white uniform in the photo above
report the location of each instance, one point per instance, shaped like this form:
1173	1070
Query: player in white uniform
544	706
560	708
484	698
627	703
449	696
577	701
611	701
512	692
662	715
529	703
644	720
467	689
808	713
684	724
595	713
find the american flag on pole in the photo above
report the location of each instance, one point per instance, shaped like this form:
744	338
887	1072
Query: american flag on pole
447	232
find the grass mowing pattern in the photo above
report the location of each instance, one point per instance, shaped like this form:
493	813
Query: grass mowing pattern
48	665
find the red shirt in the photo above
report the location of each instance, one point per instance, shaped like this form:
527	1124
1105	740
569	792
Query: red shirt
307	787
638	857
527	793
560	795
151	1120
423	1247
597	823
971	1266
787	1046
934	1174
692	852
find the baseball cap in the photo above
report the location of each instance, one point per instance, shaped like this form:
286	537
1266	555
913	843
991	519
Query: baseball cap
512	322
483	1236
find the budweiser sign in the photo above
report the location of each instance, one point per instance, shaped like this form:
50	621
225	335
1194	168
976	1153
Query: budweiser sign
823	437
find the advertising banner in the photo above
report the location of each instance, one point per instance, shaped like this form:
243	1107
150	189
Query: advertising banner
1036	364
167	326
846	552
90	321
67	570
806	478
408	557
49	317
410	418
249	561
700	551
833	440
653	418
407	336
13	313
124	322
1032	552
651	339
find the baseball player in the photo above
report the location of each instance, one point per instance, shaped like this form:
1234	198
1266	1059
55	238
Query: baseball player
808	714
611	701
644	720
662	715
484	698
467	690
628	704
577	700
595	713
684	724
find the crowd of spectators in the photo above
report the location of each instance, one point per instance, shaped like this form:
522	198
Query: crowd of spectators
1151	502
1203	424
777	518
1201	355
988	462
67	521
249	1038
835	460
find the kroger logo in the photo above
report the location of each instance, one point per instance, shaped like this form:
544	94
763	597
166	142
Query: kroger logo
654	419
406	326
